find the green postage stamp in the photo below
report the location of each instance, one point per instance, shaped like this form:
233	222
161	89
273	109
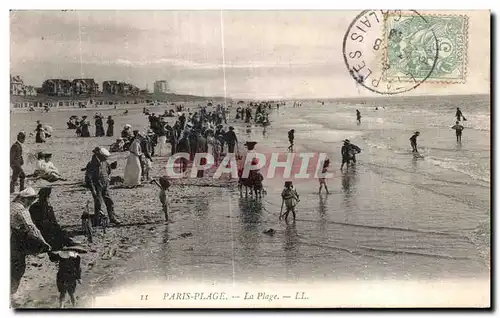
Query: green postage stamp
411	48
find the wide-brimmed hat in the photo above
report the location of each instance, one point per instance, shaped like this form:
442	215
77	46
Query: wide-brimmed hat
128	126
105	152
346	141
47	155
70	251
250	143
102	151
66	254
29	192
417	132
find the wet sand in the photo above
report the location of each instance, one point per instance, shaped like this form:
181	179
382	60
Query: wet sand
353	234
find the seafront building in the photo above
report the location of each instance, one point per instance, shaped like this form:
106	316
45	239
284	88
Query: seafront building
82	92
17	87
161	87
119	88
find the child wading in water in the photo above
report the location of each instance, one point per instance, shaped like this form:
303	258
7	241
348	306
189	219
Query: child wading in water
290	199
68	275
322	179
164	185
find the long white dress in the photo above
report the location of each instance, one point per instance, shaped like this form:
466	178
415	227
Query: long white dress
133	168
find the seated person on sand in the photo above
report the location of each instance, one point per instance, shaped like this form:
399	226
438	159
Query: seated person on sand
45	169
43	216
118	145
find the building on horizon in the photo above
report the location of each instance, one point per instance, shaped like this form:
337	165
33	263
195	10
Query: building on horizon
110	87
85	86
17	87
29	90
161	87
57	87
119	88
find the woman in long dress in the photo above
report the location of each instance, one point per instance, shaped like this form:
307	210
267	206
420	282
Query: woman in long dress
40	133
110	130
133	170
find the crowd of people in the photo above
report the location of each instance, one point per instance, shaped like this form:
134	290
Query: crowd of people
82	125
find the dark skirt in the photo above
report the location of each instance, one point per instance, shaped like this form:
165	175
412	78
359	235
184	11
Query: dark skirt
109	131
39	139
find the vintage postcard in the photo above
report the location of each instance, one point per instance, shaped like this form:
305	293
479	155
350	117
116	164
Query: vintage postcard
250	159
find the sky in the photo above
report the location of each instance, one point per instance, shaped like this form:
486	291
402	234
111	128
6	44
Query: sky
240	54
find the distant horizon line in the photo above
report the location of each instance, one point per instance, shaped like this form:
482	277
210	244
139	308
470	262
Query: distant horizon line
340	98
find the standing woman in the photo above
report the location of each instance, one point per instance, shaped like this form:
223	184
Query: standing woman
84	126
133	169
162	136
99	126
40	133
111	124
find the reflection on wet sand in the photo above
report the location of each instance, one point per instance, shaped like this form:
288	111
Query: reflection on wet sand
291	243
322	209
349	187
248	236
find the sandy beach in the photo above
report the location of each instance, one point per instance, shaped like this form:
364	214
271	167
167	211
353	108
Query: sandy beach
389	219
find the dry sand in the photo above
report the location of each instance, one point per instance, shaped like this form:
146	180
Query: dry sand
139	209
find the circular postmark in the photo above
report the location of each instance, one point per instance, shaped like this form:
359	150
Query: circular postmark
390	51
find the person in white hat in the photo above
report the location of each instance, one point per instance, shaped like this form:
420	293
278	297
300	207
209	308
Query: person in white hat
25	237
97	179
127	132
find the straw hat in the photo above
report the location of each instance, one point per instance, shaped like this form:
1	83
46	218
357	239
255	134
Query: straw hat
105	152
102	151
29	192
128	126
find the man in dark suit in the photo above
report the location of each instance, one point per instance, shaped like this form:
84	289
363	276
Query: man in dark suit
97	180
16	163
